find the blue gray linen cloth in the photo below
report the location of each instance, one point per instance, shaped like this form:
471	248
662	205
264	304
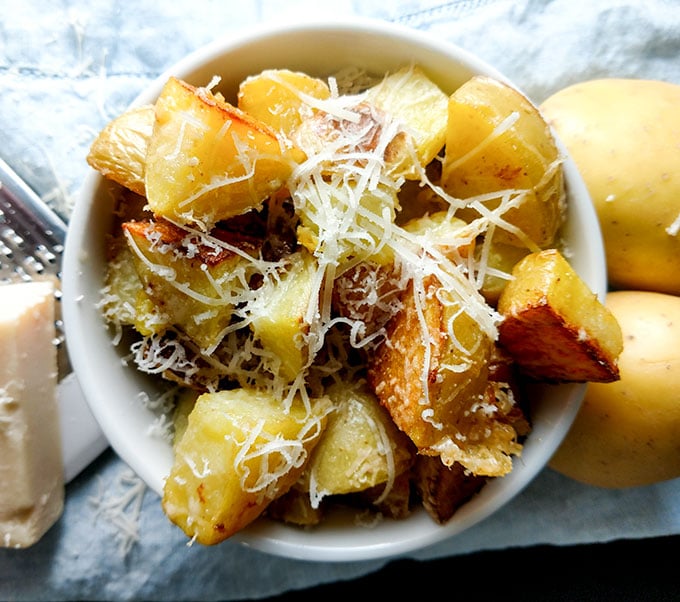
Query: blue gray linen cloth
67	68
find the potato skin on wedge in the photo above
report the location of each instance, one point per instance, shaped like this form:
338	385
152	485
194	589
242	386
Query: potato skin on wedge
497	141
119	150
207	160
554	327
239	451
160	248
439	391
279	97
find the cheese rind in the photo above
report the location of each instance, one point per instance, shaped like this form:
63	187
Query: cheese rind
31	466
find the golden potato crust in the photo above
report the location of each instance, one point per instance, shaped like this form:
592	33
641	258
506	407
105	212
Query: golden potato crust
396	371
554	327
119	150
440	392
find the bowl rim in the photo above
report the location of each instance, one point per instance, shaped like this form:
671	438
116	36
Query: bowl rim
343	25
265	535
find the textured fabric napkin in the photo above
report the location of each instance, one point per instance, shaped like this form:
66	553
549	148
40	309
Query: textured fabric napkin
67	68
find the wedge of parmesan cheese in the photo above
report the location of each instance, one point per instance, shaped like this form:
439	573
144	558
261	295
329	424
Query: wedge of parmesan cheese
31	466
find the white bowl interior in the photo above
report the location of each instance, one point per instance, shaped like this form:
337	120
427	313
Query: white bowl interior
113	388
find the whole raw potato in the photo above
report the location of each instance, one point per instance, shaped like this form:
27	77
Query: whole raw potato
624	135
627	433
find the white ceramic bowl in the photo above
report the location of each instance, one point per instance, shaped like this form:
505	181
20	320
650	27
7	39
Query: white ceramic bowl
112	388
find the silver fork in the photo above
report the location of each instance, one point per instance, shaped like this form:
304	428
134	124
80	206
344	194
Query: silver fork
32	240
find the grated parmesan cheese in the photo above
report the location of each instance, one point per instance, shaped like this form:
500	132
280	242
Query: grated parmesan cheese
119	503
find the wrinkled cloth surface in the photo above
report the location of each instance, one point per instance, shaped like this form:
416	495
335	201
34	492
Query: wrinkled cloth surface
67	68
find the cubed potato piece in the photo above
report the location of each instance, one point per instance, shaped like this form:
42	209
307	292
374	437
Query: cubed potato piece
347	220
124	301
414	100
504	376
437	389
360	448
281	325
344	203
498	141
554	327
444	489
240	450
208	160
196	289
119	151
281	98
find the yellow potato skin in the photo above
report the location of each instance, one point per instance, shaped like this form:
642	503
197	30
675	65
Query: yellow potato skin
624	136
479	160
627	433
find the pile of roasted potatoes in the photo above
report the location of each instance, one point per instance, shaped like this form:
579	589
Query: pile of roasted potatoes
345	287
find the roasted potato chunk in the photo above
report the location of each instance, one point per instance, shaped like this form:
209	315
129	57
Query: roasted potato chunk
281	326
498	142
124	300
119	150
415	101
496	261
369	293
554	327
416	200
394	503
362	240
240	450
360	448
208	160
437	389
195	289
444	234
281	98
443	489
